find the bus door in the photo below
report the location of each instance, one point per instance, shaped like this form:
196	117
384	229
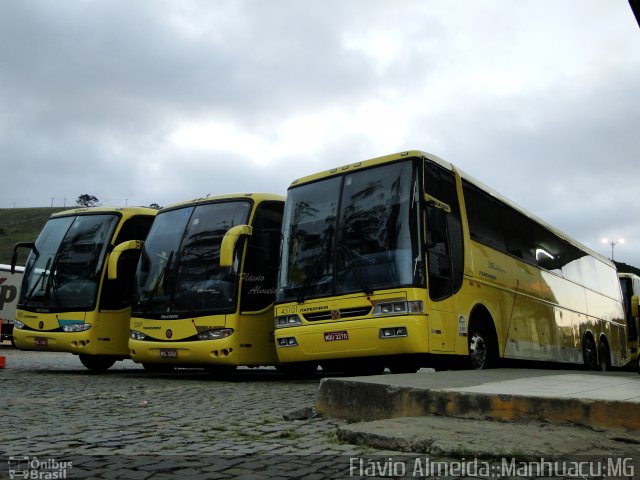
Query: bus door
444	255
259	284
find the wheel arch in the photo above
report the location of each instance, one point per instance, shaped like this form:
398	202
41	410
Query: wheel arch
481	314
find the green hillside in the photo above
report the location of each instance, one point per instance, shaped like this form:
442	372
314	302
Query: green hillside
20	225
24	224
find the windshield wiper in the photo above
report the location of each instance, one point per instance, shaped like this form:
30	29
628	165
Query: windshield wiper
156	285
311	276
27	298
52	281
357	271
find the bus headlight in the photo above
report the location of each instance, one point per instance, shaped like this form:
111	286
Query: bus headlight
18	324
76	327
135	335
393	332
287	342
216	334
283	321
398	308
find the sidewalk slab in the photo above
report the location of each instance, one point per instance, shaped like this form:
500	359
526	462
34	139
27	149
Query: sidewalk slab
455	437
592	399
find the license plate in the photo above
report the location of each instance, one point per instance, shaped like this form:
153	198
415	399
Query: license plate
333	336
169	353
42	342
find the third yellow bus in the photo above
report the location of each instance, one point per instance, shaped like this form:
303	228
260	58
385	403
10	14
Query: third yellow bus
401	260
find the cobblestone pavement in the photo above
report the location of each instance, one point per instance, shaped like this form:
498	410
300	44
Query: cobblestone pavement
127	423
60	420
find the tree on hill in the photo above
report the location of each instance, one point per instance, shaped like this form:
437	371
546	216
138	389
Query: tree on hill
86	200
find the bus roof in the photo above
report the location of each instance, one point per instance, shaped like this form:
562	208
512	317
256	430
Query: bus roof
449	166
369	163
91	210
257	197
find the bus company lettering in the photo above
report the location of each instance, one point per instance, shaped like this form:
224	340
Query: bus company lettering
314	309
8	293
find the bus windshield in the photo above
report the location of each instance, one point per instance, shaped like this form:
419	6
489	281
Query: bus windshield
63	271
352	233
179	271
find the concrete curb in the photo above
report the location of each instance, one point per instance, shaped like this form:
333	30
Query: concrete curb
358	399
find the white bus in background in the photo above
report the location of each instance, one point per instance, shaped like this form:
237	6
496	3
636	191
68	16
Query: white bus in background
9	290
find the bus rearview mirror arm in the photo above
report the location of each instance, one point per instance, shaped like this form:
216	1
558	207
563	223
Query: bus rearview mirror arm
229	243
14	258
114	256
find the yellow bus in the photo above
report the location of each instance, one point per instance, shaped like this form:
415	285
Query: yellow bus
66	302
402	260
205	285
630	285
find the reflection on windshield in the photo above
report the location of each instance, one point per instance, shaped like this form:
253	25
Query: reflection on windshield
367	245
66	273
179	271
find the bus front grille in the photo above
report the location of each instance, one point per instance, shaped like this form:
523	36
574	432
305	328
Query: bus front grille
332	315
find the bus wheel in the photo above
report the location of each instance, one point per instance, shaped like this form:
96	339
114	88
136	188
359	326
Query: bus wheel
97	363
589	354
603	355
158	367
481	351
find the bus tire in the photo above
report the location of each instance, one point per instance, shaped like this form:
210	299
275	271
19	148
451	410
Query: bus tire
482	347
604	356
97	363
589	355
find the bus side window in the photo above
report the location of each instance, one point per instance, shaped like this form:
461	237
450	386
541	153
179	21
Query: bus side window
445	257
117	294
261	263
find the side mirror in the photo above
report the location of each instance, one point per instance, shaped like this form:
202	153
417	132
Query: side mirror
229	243
112	268
14	259
634	306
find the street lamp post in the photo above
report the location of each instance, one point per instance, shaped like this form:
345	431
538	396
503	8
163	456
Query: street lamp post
613	243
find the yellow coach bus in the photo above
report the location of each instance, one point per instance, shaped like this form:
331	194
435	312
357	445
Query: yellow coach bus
400	260
66	303
205	285
630	285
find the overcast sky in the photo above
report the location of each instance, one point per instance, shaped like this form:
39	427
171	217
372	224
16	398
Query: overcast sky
144	102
